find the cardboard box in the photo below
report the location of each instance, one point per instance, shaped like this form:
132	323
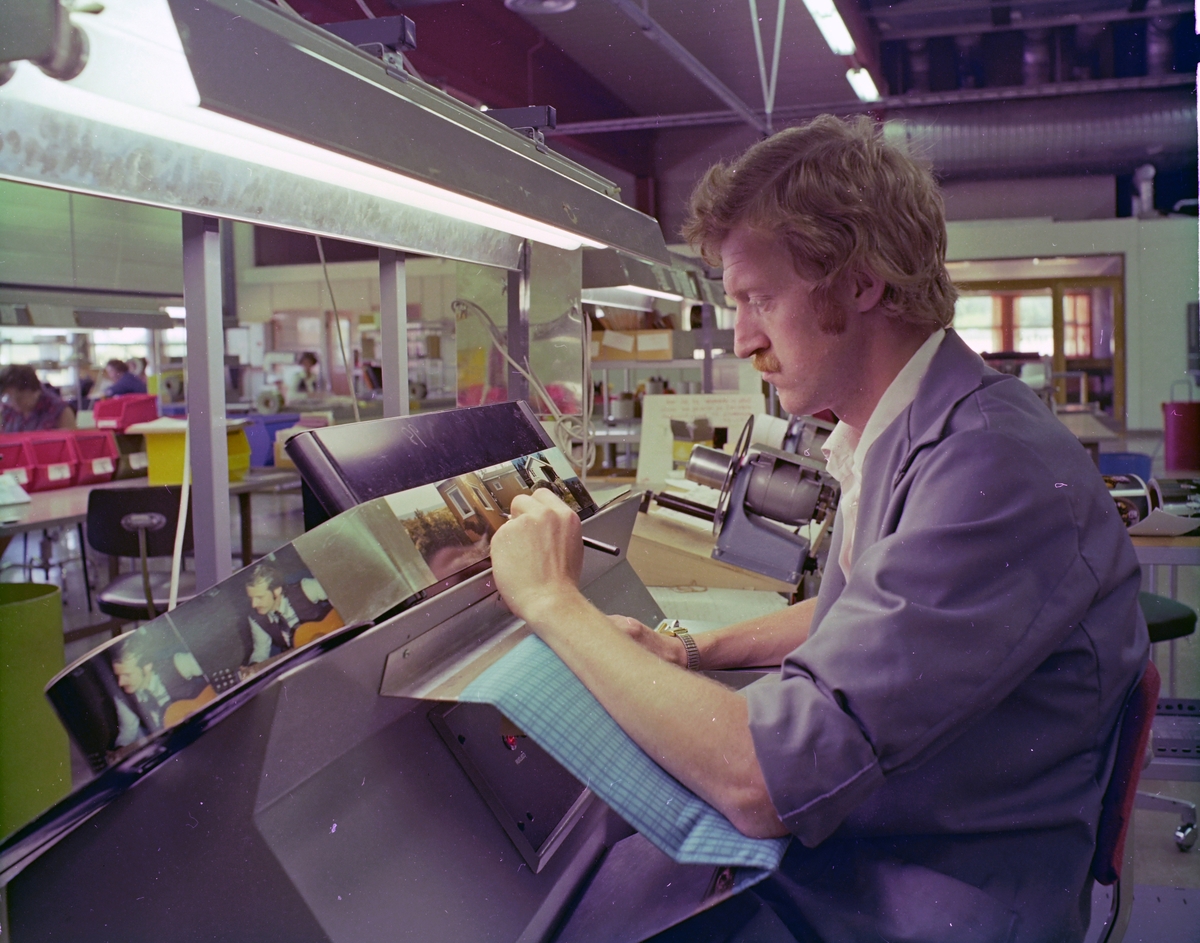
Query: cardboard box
614	345
655	345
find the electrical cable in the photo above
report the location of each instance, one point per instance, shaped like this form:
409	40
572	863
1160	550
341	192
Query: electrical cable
567	428
181	523
337	323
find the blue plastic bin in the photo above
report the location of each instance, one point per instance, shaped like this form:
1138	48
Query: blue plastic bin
1126	463
261	431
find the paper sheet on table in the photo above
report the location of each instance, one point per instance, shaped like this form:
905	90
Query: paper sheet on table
1162	524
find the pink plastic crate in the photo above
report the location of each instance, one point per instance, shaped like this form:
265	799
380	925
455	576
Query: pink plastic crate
56	463
17	458
117	413
98	455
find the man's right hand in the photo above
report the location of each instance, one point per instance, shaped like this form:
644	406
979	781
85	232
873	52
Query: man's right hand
760	642
666	647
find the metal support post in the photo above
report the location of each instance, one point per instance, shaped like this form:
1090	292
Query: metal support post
206	399
518	326
708	316
393	329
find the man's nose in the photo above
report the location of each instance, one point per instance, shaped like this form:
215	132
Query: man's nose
748	337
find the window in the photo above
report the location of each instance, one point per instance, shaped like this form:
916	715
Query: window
460	502
1033	324
996	322
975	322
1077	325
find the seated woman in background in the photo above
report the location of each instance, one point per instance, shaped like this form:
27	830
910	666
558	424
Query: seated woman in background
28	405
122	380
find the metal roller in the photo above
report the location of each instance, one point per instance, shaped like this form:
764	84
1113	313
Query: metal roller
708	466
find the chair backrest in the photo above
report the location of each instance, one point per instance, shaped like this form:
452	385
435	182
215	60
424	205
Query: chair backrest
1117	807
108	506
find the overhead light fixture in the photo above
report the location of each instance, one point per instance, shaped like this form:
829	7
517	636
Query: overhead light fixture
538	7
832	27
864	86
137	78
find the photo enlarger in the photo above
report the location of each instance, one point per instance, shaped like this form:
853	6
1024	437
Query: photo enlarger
311	805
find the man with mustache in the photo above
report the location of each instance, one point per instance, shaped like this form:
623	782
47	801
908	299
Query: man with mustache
942	726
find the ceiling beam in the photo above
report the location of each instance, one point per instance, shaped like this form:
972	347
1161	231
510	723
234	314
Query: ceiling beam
891	103
672	47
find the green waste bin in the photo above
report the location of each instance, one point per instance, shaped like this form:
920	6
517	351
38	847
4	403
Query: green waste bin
35	761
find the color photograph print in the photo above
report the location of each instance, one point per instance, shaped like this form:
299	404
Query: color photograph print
450	523
550	469
263	611
128	689
160	681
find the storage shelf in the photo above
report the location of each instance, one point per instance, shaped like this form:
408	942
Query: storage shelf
649	364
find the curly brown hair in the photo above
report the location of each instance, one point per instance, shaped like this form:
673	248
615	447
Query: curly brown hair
845	200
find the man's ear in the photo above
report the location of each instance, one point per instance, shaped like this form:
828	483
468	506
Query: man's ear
868	290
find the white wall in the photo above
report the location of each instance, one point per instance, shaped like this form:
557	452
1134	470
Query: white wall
1160	280
68	240
1080	197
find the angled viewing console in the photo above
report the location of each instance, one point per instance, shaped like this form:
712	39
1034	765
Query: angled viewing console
331	798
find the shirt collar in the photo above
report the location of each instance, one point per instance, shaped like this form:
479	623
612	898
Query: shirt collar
847	447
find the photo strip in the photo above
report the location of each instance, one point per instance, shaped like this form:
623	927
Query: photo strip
371	560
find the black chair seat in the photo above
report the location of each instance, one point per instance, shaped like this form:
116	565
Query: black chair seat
1166	618
125	597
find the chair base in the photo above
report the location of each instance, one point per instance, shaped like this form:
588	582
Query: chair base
1185	835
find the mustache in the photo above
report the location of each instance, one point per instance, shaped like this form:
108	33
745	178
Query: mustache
765	362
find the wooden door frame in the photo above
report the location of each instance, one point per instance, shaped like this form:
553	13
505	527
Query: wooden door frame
1057	287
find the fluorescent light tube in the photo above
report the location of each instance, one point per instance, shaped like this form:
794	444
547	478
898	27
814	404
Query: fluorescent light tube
864	86
831	25
137	78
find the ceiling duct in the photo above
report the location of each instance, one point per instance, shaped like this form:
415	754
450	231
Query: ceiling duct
1094	134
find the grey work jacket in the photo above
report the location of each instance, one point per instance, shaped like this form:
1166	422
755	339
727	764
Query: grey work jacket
942	741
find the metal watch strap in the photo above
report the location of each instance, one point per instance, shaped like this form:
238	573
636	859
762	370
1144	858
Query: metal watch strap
672	627
689	646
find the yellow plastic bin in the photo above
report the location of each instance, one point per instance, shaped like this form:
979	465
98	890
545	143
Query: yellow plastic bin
35	761
164	448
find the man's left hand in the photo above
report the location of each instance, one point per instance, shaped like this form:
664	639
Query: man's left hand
537	556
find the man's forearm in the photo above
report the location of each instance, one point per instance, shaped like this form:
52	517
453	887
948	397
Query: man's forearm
757	642
694	728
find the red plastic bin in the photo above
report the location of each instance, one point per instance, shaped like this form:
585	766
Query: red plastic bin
98	455
16	457
117	413
56	463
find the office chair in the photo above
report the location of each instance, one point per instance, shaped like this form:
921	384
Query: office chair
1111	865
1167	620
138	523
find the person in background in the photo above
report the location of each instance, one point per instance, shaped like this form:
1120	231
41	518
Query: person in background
29	405
306	383
122	380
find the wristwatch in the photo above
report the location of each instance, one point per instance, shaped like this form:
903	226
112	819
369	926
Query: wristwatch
672	627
